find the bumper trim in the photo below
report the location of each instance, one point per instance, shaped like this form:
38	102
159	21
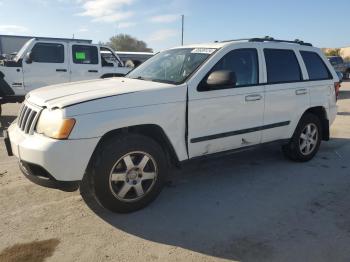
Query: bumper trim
46	180
7	143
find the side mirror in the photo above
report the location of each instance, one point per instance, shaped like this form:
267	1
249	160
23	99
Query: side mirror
29	58
221	79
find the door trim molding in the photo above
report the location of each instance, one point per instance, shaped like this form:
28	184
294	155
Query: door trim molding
238	132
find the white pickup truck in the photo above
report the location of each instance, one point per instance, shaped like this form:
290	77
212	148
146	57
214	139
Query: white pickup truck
41	63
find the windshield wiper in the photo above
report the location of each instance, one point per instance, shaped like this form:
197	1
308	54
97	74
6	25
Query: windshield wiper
154	80
163	81
140	78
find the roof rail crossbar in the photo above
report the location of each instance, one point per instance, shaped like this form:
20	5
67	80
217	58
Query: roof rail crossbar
271	39
235	40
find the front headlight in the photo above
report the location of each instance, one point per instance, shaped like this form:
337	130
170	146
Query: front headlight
52	124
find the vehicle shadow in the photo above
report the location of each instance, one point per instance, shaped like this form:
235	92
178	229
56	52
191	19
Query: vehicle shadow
250	206
5	122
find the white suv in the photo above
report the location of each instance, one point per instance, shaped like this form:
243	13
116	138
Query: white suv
123	134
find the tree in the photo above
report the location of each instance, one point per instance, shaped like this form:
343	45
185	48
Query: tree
124	42
333	52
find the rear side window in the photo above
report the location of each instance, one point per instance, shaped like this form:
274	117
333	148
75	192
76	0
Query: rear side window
84	54
282	66
315	66
244	62
48	53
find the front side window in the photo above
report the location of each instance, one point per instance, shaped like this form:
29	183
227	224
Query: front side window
47	53
282	66
244	63
172	66
84	54
316	68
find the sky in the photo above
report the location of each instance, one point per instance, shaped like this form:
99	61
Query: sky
158	22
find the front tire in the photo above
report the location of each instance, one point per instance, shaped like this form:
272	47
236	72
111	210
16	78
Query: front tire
306	139
128	173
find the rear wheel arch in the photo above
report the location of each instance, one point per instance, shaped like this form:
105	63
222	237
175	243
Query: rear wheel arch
321	113
306	140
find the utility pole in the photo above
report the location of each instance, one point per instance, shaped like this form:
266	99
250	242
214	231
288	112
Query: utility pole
182	29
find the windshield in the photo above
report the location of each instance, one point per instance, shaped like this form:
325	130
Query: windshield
172	66
22	50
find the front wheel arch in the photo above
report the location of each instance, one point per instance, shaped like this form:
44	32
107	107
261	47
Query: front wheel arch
152	131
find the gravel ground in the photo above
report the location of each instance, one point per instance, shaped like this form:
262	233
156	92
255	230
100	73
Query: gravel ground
251	206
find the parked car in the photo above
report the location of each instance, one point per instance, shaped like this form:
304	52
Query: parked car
340	66
47	62
124	134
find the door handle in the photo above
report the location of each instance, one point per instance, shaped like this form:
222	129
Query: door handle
61	70
301	92
251	98
93	71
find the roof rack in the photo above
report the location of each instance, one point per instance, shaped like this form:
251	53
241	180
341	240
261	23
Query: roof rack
63	39
234	40
269	39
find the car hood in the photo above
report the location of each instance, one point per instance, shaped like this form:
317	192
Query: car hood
63	95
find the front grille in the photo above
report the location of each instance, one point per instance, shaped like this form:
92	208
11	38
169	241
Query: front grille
27	118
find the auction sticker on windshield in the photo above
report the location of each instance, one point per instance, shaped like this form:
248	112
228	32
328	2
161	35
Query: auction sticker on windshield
203	51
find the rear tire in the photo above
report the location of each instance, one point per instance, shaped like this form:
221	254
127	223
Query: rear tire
128	172
306	139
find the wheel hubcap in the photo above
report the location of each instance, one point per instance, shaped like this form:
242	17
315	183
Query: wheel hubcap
133	176
308	139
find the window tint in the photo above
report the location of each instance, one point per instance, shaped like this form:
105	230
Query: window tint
316	68
282	66
83	54
48	53
244	62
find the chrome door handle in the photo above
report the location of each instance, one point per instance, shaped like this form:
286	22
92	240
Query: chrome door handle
251	98
301	92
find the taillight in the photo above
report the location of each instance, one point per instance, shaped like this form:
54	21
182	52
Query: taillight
336	88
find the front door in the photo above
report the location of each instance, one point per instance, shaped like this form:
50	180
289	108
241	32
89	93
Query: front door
230	117
48	65
85	62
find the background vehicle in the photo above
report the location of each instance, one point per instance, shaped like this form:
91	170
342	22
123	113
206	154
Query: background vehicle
123	134
43	62
134	59
340	66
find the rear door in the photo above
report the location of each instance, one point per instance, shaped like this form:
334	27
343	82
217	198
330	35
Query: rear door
48	65
286	93
85	62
